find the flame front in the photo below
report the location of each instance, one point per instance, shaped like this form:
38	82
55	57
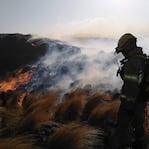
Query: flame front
14	82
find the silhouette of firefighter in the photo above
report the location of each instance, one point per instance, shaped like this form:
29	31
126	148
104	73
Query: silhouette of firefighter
130	121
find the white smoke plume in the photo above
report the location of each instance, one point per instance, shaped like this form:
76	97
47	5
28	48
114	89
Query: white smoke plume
66	67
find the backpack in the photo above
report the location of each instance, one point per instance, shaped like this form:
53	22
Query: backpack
144	85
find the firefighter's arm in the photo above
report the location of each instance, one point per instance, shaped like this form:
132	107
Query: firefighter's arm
132	78
130	87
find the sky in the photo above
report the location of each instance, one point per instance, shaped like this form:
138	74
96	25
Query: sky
92	25
75	19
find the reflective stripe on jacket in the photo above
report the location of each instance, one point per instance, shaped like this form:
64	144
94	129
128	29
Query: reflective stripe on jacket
133	74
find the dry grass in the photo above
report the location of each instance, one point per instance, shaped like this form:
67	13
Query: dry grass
92	102
68	111
71	108
38	112
20	142
76	136
104	113
11	113
37	109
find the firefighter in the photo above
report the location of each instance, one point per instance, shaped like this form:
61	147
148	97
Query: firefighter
130	130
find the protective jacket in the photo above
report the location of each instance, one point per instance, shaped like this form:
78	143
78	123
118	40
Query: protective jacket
131	72
131	112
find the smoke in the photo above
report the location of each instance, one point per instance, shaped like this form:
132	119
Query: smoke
95	34
100	71
66	67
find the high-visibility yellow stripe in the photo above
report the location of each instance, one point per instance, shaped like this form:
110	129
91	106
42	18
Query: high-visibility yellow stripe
131	77
131	99
140	77
122	96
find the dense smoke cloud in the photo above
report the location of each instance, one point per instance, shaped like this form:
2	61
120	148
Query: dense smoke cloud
100	71
65	67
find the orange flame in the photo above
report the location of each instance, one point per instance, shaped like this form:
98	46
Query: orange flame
14	82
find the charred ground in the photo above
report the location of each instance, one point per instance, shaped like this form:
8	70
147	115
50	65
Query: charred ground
16	50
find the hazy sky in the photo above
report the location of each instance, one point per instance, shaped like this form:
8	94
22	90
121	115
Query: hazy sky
81	22
81	18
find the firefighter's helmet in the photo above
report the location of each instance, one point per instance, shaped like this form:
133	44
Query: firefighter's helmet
124	41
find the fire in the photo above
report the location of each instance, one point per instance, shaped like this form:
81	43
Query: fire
21	78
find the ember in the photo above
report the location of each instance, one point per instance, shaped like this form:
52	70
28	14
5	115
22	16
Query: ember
21	78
